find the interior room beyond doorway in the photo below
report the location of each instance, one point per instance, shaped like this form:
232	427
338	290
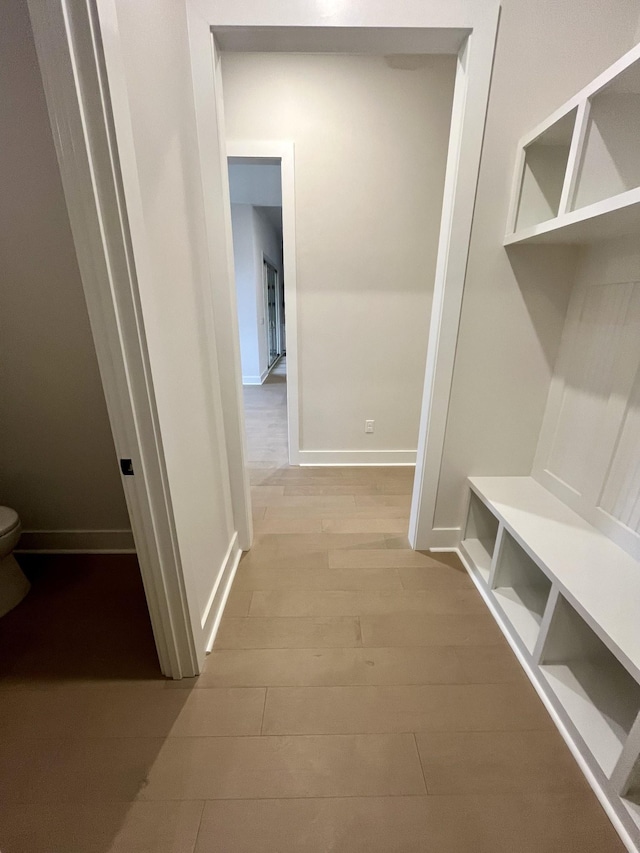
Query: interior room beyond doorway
255	188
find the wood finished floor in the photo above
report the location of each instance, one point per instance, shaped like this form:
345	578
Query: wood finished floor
359	697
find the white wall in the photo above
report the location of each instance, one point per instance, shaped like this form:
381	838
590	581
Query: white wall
267	244
246	292
253	238
151	87
515	301
370	141
255	183
57	461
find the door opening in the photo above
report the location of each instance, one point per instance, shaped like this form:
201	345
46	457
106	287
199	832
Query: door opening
272	299
255	190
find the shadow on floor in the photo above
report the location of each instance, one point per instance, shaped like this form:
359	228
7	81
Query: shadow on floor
85	618
85	715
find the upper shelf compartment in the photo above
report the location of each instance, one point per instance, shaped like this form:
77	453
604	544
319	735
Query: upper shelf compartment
578	173
545	167
610	161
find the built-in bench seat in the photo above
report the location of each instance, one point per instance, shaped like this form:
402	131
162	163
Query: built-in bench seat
568	600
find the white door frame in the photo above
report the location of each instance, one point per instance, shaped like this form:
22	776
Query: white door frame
77	98
69	50
284	152
281	28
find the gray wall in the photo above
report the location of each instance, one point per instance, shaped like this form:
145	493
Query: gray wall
57	460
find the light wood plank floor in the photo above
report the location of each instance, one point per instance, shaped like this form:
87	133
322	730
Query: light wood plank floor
359	699
395	716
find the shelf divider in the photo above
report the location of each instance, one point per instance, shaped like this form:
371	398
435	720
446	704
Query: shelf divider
575	157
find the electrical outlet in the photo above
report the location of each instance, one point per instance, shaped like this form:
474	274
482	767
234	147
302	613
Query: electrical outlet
369	426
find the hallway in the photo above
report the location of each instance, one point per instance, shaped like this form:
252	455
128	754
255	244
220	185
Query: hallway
359	697
395	717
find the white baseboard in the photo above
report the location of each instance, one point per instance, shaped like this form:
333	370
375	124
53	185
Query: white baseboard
76	542
218	598
356	458
255	380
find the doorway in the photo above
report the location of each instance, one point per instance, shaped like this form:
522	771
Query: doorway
274	323
255	192
261	196
190	113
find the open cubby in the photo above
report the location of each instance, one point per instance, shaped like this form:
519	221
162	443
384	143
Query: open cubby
599	696
610	164
521	589
545	166
480	535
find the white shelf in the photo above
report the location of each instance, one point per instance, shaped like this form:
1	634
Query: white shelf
600	221
598	705
595	575
609	163
545	166
478	554
481	532
634	810
566	598
521	607
521	589
587	189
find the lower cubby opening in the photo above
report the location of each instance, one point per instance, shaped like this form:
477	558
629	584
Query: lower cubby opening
521	589
480	535
600	697
631	798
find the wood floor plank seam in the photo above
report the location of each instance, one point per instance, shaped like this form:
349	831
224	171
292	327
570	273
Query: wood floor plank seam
195	842
426	787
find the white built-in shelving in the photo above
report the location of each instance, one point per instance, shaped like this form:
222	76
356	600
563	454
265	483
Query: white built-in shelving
521	589
567	598
556	555
577	174
480	535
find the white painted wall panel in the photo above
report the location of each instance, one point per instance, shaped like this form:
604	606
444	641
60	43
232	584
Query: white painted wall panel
589	448
592	376
621	493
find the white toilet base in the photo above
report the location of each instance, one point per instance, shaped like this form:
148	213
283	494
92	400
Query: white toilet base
13	584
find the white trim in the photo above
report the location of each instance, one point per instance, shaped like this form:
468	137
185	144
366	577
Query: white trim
268	262
221	295
69	49
76	542
576	149
257	380
357	457
470	99
218	598
283	151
